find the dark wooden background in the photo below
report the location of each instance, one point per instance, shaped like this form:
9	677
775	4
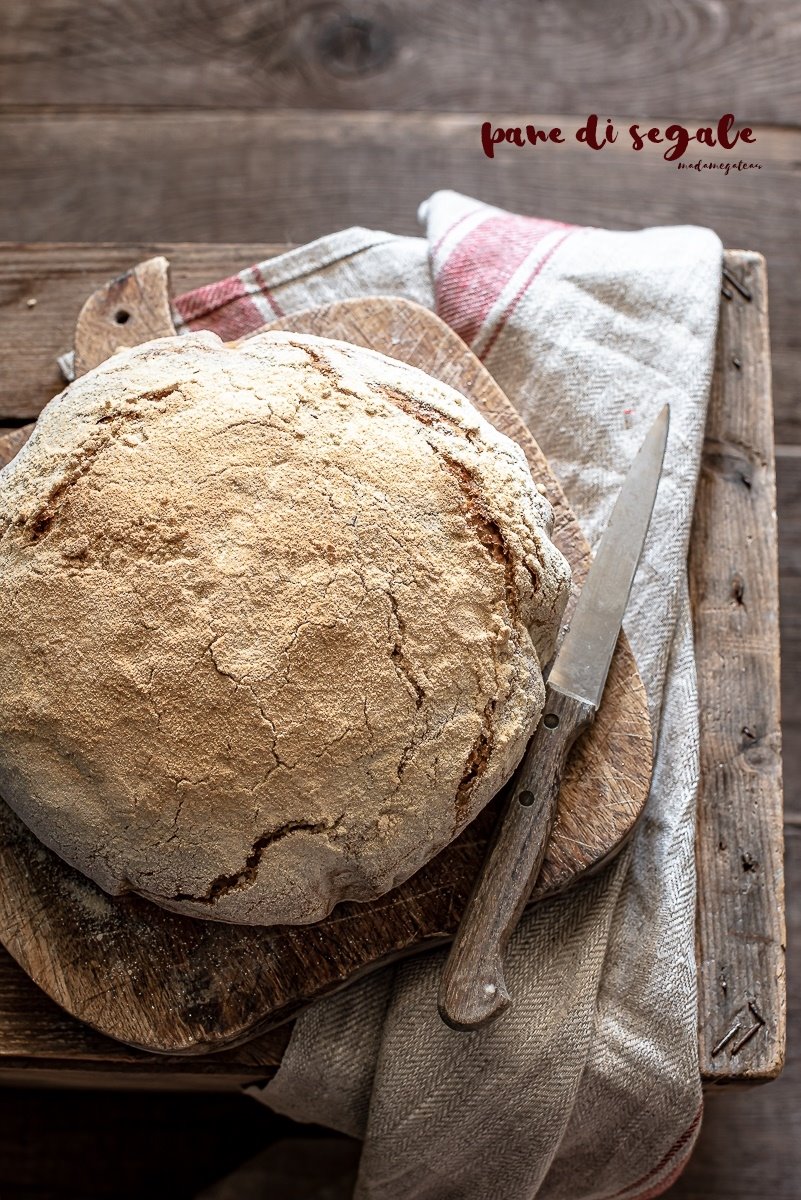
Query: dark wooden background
263	120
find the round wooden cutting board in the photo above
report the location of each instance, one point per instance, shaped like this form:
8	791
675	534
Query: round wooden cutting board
175	984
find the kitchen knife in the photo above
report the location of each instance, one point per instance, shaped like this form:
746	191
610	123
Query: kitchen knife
472	988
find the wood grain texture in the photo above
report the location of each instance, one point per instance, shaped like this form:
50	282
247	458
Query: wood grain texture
42	290
293	176
749	1147
652	58
129	310
41	1043
734	589
175	984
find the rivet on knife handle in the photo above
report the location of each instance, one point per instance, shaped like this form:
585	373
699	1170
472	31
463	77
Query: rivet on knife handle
472	988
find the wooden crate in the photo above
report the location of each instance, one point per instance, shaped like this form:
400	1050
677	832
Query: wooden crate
734	587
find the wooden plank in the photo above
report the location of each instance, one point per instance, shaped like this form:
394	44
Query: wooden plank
41	1043
749	1147
279	176
733	578
791	694
648	59
58	279
788	489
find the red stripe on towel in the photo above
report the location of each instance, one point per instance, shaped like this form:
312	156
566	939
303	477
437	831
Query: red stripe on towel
518	296
265	291
225	308
481	265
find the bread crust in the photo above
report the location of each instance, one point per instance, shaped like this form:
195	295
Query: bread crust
272	623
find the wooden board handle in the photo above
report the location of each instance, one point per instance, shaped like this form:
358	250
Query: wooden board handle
131	309
472	989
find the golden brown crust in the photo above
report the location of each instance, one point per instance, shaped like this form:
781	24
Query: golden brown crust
271	623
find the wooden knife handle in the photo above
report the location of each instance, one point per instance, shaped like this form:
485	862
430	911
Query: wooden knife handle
472	989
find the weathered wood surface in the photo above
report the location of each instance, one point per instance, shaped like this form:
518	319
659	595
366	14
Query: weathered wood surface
164	982
749	1147
42	289
788	485
649	58
128	310
734	592
280	177
40	1043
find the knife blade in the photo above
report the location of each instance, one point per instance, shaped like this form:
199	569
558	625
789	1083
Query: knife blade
472	987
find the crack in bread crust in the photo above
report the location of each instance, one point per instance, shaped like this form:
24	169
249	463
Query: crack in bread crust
488	531
236	881
477	762
39	524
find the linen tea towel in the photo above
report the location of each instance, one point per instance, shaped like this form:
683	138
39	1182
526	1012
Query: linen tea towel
588	1089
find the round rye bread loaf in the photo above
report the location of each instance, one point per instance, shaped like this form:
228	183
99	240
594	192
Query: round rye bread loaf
272	623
